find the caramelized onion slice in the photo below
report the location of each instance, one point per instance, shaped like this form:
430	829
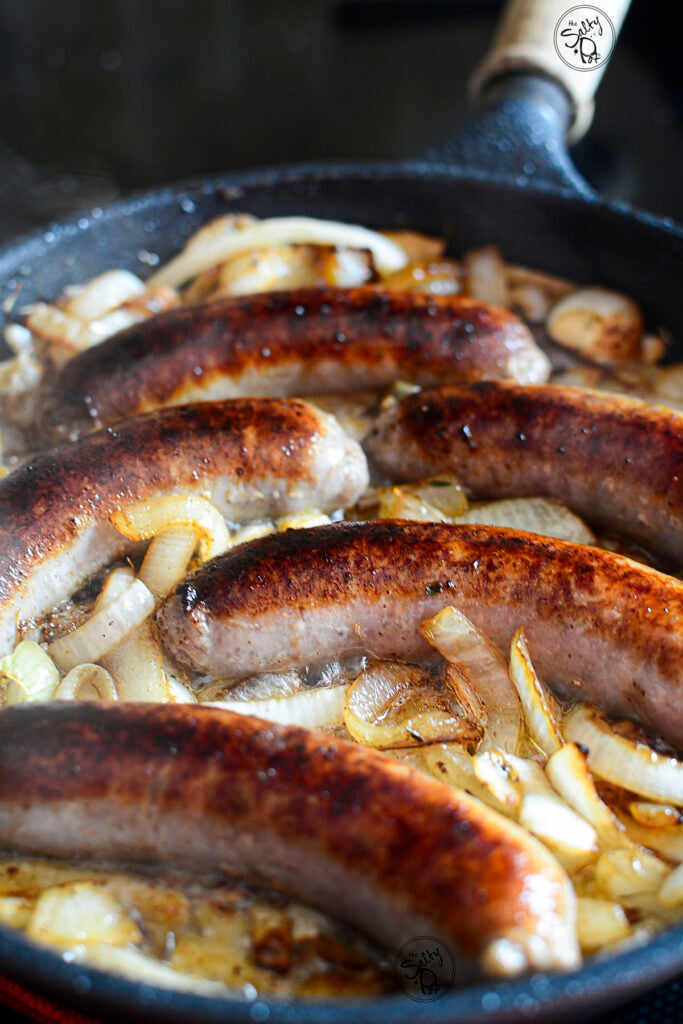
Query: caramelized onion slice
28	674
221	246
149	518
624	874
105	629
671	891
87	682
634	766
460	642
313	709
568	772
437	500
487	275
539	706
167	558
599	923
391	704
601	325
452	764
535	515
138	667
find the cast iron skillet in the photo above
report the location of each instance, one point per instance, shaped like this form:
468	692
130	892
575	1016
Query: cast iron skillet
508	181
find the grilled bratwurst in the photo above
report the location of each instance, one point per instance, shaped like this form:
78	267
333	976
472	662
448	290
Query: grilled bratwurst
306	596
298	342
252	457
367	839
615	461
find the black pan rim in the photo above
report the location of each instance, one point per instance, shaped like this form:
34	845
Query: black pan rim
600	984
37	243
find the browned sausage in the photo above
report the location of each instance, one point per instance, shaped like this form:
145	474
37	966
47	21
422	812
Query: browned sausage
308	595
253	457
298	342
615	461
367	839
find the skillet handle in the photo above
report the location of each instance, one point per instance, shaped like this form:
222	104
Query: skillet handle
570	45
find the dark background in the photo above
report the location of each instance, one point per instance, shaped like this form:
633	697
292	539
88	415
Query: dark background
98	97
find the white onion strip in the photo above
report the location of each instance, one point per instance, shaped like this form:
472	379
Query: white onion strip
535	515
87	682
539	709
149	518
137	665
460	642
166	560
312	709
635	766
388	256
569	775
105	629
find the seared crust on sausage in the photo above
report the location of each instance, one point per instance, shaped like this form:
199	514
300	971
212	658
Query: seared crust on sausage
296	342
365	838
253	457
615	461
308	595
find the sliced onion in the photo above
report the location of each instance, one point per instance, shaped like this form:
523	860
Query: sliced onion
457	683
417	247
179	693
167	558
102	294
623	874
398	503
540	810
539	707
117	581
104	629
671	892
436	500
634	766
387	255
28	674
302	520
599	923
536	515
599	324
138	667
436	277
569	775
87	682
463	645
391	704
453	765
655	815
666	841
493	772
80	913
486	275
312	709
149	518
252	531
259	687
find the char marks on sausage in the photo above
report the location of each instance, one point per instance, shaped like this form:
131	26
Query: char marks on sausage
369	840
309	595
297	342
615	461
253	457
